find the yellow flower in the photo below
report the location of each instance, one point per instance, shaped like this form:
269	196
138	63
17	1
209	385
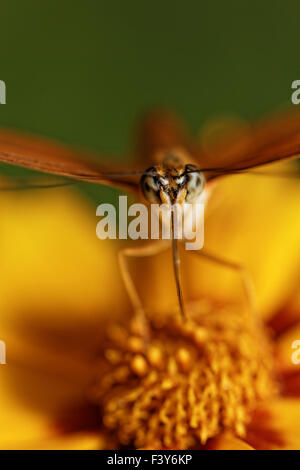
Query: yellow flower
219	380
194	379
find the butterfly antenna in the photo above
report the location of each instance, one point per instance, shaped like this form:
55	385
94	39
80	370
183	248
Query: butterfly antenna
26	187
118	175
242	171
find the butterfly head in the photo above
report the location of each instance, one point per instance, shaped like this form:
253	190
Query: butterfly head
172	182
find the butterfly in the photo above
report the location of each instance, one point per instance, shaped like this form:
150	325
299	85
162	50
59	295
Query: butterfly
174	169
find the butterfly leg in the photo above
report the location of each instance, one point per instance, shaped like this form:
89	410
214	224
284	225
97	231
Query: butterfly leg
243	272
151	249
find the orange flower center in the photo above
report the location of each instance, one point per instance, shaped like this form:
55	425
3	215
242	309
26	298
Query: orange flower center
192	380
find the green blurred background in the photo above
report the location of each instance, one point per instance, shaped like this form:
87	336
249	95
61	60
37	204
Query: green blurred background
81	71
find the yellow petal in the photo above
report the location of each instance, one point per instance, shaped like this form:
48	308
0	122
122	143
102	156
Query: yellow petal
227	441
74	441
18	423
53	261
276	426
35	392
289	315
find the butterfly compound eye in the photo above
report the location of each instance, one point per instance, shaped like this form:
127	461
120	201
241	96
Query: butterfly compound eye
194	186
150	188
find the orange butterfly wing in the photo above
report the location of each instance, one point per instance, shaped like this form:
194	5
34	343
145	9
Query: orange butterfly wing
271	141
158	131
51	157
232	148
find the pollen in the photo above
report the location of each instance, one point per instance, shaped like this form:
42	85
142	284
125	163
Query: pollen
191	380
